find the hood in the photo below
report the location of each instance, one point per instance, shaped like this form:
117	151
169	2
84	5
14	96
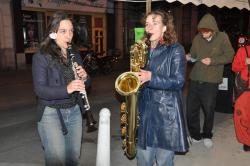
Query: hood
208	21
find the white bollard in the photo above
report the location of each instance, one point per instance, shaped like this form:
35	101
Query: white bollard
103	143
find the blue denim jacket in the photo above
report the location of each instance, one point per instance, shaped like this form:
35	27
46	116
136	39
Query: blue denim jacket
49	83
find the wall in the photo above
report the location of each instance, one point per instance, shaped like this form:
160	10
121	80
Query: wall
7	53
119	33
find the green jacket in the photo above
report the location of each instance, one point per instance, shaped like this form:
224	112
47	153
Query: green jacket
219	49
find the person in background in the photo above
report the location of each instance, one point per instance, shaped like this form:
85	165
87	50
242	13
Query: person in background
161	130
242	40
57	90
241	64
210	51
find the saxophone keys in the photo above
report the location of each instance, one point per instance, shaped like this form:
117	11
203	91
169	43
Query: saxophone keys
123	107
124	145
123	119
123	132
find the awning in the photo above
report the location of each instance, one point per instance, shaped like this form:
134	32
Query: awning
240	4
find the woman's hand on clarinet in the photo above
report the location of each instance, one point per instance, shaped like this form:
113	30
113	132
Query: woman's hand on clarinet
81	72
144	76
75	85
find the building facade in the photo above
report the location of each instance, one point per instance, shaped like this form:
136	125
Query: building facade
104	25
25	22
186	17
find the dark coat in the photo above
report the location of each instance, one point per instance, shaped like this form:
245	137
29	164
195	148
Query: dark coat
49	83
219	49
162	123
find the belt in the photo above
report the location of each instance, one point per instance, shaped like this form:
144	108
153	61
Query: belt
203	82
199	82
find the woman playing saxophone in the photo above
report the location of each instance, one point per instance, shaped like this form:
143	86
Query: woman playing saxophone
161	130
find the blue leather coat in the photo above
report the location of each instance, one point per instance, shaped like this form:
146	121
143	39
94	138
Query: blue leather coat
162	123
49	83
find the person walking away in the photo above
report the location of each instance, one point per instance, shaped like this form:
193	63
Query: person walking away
162	130
57	91
241	64
210	51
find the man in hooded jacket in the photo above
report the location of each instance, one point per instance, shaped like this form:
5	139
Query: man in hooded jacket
210	51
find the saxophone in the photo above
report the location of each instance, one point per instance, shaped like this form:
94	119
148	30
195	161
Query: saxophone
127	84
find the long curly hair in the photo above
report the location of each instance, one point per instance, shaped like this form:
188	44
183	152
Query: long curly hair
48	46
169	36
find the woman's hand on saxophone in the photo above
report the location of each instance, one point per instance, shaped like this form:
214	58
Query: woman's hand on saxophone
144	76
75	85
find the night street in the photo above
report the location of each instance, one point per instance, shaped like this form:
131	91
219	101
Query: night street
20	144
104	33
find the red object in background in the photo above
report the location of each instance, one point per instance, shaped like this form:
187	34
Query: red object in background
242	118
242	41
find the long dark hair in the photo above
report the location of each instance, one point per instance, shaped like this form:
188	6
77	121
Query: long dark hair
169	36
48	46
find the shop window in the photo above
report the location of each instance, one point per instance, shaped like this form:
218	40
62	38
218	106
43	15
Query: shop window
82	35
99	36
33	30
99	41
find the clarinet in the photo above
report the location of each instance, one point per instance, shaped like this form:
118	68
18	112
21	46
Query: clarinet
89	117
74	66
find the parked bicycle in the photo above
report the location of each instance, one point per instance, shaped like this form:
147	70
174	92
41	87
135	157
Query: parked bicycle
90	62
97	62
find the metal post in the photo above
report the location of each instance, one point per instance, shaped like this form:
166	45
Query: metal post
103	143
148	6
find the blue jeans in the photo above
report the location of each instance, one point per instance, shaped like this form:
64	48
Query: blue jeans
59	149
161	157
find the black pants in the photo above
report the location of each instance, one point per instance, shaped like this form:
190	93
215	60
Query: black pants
201	95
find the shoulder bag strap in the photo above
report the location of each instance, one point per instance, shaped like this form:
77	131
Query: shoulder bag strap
246	50
247	65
